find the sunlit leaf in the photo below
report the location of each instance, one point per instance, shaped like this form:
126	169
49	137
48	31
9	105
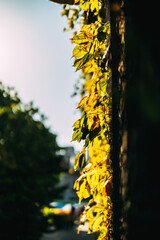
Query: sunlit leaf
78	63
84	4
75	135
103	86
79	51
95	6
85	58
76	124
97	223
82	161
86	193
83	102
79	39
79	160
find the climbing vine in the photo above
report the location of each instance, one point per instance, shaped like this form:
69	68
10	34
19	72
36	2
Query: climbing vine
90	54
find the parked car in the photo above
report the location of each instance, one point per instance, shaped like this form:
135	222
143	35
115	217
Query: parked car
62	214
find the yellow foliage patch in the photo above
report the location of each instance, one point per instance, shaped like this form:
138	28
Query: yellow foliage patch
91	43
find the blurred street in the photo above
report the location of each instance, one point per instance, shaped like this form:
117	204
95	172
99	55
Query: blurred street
69	234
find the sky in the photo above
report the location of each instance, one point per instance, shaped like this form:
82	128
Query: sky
35	59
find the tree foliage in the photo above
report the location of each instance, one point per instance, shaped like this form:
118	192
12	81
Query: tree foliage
90	54
29	168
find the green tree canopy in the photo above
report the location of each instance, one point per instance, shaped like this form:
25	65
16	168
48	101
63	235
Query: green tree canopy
29	167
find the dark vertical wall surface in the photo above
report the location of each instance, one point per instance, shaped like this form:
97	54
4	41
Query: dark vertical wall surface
143	119
136	121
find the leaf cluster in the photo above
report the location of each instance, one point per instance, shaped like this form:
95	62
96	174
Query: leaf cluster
72	14
90	46
95	182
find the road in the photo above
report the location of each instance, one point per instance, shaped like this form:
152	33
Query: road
69	234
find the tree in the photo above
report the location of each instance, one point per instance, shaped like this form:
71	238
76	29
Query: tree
29	168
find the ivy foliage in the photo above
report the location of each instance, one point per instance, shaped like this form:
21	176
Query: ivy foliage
90	56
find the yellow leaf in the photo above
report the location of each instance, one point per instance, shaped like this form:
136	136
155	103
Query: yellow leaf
97	223
76	124
86	193
84	5
93	121
88	35
79	51
83	190
83	102
79	39
82	186
75	185
86	27
95	6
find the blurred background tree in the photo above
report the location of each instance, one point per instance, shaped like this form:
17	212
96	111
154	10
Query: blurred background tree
29	168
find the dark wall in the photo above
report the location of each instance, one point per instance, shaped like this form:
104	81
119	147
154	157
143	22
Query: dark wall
135	121
143	119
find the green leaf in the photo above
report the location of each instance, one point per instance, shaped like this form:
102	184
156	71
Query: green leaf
83	120
85	58
78	63
103	86
75	135
82	161
79	160
86	142
76	162
79	137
